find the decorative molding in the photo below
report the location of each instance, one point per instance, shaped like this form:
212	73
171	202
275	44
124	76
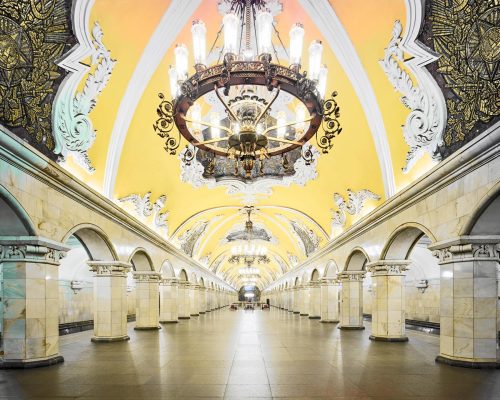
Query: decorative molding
147	276
172	22
144	208
322	13
388	267
109	268
307	239
472	251
248	192
352	206
73	129
355	276
293	259
30	253
189	239
424	126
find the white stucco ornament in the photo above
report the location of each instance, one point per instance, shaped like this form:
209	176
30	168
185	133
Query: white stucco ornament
353	205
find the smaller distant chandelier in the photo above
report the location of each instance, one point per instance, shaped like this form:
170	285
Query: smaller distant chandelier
249	271
249	254
247	79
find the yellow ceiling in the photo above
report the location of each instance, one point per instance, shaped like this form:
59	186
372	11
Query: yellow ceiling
353	162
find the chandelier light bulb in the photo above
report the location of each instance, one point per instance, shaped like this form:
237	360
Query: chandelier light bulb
214	120
199	32
296	43
231	23
264	22
315	52
323	75
174	85
300	116
181	61
280	122
196	116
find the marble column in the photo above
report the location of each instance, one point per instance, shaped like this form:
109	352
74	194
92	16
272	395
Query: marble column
110	300
30	302
314	300
329	300
291	294
304	300
147	310
202	304
194	300
351	303
183	300
168	301
388	305
296	300
469	297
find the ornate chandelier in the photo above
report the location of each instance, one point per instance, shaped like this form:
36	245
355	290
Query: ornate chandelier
255	92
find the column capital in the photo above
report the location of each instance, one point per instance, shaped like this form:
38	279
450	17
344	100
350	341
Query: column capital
388	267
109	268
146	276
327	281
351	275
314	284
467	248
168	281
32	249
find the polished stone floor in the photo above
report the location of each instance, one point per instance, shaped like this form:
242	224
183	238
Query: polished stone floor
250	354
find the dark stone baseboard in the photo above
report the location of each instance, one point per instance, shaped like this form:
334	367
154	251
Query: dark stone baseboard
184	317
296	312
194	315
15	364
147	328
314	317
169	322
109	340
351	328
329	322
202	312
303	315
467	364
81	326
386	339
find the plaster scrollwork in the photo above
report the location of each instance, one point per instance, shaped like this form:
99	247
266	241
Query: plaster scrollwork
145	208
248	193
32	253
293	259
189	239
73	127
307	239
468	251
353	206
351	276
424	126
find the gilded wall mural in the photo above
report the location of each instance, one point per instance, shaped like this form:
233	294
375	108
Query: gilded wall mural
466	34
34	34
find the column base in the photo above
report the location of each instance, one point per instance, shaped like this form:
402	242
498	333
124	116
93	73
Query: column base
388	339
104	339
25	364
314	317
290	311
208	311
184	317
329	321
303	315
352	328
467	364
147	328
202	312
194	315
296	312
169	322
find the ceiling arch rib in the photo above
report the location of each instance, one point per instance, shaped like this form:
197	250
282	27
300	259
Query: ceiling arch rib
172	22
331	28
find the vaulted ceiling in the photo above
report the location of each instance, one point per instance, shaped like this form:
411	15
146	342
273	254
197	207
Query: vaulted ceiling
129	158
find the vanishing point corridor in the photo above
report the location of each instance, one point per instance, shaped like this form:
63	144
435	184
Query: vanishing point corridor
250	354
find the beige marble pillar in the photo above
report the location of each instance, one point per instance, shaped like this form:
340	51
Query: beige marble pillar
469	296
202	295
168	301
194	300
30	302
147	309
304	300
351	303
296	300
291	294
110	300
183	300
388	304
314	300
329	300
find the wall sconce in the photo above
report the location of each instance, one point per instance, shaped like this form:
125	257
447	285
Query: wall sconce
76	286
422	285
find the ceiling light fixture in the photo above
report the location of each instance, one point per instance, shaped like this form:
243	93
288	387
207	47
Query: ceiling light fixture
247	83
